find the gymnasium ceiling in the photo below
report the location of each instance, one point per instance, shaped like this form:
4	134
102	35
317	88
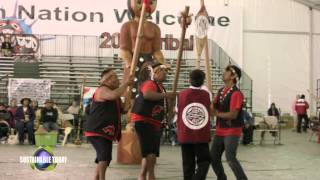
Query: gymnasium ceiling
312	3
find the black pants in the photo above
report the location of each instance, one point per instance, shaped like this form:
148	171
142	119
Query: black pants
103	148
247	135
230	145
149	139
193	154
20	127
306	122
4	130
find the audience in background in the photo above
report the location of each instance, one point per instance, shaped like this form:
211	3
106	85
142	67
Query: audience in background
13	109
295	115
301	108
274	111
60	120
25	119
5	117
49	117
37	112
74	110
35	105
248	127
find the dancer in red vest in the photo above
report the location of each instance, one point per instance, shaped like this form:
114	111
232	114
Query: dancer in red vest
193	127
148	112
104	119
228	110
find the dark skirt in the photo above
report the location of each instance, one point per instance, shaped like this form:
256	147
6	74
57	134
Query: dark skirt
103	148
149	139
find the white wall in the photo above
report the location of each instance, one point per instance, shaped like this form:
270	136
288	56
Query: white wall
316	44
276	36
287	56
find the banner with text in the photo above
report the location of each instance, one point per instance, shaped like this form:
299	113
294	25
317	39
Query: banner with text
35	89
74	17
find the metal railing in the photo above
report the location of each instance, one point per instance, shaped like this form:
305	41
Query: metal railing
318	95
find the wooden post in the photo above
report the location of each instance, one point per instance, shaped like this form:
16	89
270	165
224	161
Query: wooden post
208	65
129	147
78	140
185	22
184	25
138	40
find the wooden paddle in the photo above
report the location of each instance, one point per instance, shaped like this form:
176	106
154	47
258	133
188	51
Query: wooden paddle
67	131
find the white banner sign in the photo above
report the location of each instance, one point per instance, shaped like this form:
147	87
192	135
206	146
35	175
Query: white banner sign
74	17
35	89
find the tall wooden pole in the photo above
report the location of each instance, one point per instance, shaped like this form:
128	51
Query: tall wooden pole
208	64
138	40
78	140
136	51
184	24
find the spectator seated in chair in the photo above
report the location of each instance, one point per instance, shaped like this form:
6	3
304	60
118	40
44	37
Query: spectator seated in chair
25	119
273	111
49	117
4	123
12	109
74	110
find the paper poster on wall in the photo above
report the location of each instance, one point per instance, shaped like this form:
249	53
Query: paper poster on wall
35	89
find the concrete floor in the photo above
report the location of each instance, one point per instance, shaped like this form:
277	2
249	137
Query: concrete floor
295	160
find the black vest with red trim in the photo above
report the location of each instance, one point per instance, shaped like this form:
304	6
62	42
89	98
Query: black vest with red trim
223	105
193	123
150	109
104	118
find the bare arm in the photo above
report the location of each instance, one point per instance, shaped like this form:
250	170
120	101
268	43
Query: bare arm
228	115
105	93
125	106
153	96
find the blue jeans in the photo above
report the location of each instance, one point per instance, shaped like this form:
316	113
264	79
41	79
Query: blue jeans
20	125
230	145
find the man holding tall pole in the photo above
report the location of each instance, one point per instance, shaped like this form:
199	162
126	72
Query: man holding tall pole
140	45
